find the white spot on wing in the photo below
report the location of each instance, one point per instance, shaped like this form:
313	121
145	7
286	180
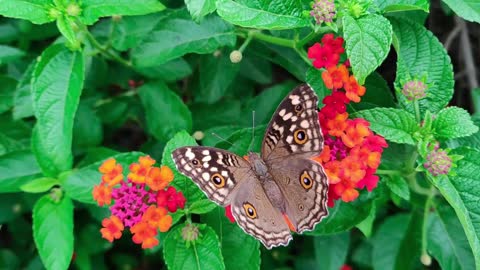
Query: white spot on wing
287	116
206	152
205	176
207	158
189	154
304	124
282	112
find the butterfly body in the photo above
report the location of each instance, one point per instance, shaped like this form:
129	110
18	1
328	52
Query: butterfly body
278	190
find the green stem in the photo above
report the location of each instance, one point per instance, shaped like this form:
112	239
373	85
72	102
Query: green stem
304	56
388	172
311	36
246	42
104	49
129	93
426	211
274	40
417	110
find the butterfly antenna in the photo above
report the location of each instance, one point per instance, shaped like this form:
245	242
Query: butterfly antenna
253	132
221	138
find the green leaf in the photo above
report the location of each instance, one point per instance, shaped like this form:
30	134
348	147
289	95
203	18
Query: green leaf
6	92
87	128
177	35
40	185
240	250
463	193
216	74
343	216
314	79
202	254
56	88
64	24
409	252
453	122
331	250
398	186
130	31
421	54
17	169
157	100
378	94
389	6
472	141
263	14
92	10
79	184
282	56
467	9
387	241
256	69
53	231
367	41
201	207
35	11
199	8
394	124
446	240
218	114
22	98
190	190
266	103
8	54
171	71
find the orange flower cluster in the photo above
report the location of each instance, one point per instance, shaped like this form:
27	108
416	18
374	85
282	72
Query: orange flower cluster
138	203
352	152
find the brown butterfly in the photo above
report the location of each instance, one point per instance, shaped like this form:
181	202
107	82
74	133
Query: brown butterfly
278	190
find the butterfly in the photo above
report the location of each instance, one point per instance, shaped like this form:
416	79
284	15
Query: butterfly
275	192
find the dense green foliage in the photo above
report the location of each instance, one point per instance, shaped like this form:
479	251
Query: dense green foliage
82	81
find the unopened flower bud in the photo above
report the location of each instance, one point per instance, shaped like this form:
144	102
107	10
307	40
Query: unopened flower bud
198	135
323	11
426	259
414	90
190	233
73	10
438	162
236	56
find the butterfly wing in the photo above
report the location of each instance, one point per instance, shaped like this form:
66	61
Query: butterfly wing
292	138
294	129
305	184
256	215
216	172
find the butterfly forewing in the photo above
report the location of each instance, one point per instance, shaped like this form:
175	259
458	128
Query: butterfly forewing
217	172
294	129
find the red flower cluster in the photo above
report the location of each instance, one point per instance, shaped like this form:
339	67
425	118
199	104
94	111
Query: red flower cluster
141	203
352	152
327	54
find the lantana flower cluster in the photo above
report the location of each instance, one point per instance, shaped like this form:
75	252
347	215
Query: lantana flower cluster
352	152
141	203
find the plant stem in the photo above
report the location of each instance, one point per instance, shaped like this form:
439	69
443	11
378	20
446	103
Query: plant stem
388	172
246	42
311	36
303	55
426	210
104	49
274	40
417	110
129	93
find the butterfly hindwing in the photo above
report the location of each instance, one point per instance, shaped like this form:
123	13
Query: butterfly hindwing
294	129
256	215
306	184
216	172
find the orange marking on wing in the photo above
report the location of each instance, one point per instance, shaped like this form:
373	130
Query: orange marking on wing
289	223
